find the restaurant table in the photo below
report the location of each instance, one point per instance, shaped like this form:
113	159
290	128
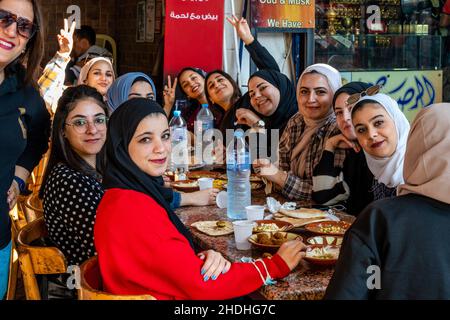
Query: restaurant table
305	282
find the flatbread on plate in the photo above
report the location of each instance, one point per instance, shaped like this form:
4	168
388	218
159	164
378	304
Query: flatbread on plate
210	228
304	213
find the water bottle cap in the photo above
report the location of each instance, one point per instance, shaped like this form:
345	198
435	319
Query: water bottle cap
238	134
204	105
177	113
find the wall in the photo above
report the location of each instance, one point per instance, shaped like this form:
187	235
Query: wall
101	15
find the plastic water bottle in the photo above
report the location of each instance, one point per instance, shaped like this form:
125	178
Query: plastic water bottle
179	159
205	122
238	173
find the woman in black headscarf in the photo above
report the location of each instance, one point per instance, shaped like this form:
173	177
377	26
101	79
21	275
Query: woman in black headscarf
351	184
143	247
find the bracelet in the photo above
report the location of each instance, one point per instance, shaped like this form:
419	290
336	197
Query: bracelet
268	280
20	182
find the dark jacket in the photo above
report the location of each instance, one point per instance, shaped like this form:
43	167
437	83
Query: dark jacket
408	238
24	133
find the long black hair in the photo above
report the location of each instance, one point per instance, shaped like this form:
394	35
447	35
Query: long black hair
60	149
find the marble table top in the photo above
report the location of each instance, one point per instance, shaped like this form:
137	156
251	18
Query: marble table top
305	282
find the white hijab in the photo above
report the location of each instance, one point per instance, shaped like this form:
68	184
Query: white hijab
87	67
389	171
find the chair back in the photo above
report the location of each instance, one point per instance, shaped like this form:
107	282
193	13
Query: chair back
91	285
107	42
33	207
35	260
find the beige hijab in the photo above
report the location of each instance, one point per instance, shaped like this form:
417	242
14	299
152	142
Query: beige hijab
427	160
299	154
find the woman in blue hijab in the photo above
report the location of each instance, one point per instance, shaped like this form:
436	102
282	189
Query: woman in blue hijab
128	86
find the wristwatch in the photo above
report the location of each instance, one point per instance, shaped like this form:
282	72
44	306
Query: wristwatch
260	124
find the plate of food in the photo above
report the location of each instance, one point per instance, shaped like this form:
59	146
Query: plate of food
186	185
304	213
253	185
334	228
271	241
215	228
271	226
326	240
324	255
194	175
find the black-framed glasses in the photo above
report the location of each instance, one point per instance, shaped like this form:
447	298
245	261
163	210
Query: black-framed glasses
373	90
25	27
81	125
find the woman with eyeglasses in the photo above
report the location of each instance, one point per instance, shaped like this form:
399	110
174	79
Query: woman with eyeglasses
98	73
382	130
349	184
24	120
143	247
398	248
71	187
306	133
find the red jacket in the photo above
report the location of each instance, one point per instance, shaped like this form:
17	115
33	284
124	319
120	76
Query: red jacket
141	252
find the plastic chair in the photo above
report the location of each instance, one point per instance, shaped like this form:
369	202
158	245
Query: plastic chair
35	260
91	285
107	42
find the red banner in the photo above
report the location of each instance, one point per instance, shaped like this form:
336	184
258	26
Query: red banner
193	35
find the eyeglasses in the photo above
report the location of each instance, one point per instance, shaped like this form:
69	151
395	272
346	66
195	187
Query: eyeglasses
81	125
25	27
373	90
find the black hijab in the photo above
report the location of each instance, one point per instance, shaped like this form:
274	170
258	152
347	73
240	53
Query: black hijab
287	106
351	88
121	171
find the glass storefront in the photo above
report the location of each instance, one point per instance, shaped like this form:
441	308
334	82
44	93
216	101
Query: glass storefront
395	43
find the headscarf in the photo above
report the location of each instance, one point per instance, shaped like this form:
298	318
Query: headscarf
87	67
350	88
121	171
120	89
427	160
389	171
287	106
298	156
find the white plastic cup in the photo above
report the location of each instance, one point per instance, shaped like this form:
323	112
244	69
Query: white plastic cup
255	212
221	199
242	230
205	183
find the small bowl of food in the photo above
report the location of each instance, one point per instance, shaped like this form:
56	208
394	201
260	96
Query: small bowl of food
271	241
271	226
323	255
333	228
325	240
186	185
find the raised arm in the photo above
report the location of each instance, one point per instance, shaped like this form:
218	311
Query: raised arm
259	54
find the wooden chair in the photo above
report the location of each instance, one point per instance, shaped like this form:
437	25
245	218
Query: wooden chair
33	207
91	285
35	260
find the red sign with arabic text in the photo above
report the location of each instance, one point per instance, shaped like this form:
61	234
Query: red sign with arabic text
193	35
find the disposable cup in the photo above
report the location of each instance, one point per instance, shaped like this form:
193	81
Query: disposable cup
221	199
205	183
242	230
255	212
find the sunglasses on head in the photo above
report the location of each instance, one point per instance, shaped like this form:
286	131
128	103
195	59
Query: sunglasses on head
25	27
373	90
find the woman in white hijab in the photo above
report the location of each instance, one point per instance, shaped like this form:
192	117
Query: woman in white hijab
407	236
382	130
98	73
303	140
